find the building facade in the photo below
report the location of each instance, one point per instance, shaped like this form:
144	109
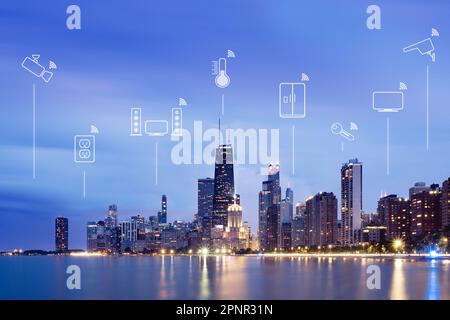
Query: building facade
269	215
445	204
351	201
321	219
395	213
223	185
61	234
426	211
205	196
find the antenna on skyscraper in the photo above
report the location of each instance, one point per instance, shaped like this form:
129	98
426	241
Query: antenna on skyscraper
219	132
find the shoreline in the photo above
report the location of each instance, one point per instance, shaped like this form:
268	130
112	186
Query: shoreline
252	255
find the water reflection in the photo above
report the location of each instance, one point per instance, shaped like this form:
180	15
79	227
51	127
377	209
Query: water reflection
225	277
398	284
433	291
204	279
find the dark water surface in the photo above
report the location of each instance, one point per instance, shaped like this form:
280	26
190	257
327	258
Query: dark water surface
227	277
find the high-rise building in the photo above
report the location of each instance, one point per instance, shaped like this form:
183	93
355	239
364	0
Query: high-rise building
91	231
61	234
395	213
351	201
205	196
111	218
236	232
445	204
162	215
129	234
426	211
418	188
269	231
140	226
152	224
321	219
298	231
290	200
102	242
223	185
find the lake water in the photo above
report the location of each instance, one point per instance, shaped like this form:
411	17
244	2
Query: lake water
227	277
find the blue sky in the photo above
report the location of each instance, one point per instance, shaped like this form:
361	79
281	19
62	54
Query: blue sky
149	53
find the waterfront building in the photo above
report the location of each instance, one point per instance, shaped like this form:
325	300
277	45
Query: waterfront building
223	185
129	234
395	212
61	234
205	197
162	215
426	211
91	232
374	234
321	219
269	231
351	201
236	233
298	231
445	204
418	187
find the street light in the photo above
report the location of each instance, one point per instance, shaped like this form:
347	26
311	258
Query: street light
397	244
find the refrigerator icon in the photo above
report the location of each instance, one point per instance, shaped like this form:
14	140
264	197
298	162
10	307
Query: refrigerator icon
292	100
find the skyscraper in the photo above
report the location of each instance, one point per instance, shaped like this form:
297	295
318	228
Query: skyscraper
139	220
418	188
223	185
162	215
426	211
269	232
236	232
351	201
111	218
395	214
129	234
91	232
321	219
61	234
445	204
205	196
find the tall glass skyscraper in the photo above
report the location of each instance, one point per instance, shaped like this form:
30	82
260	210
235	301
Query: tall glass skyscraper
205	196
269	210
162	215
223	185
351	201
61	234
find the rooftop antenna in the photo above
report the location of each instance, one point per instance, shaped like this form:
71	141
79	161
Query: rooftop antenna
219	132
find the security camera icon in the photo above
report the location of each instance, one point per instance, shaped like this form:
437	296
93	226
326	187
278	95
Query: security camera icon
425	47
34	67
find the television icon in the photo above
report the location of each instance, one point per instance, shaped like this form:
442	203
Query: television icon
387	101
292	100
156	128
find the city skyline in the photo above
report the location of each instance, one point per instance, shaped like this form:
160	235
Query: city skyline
154	54
425	212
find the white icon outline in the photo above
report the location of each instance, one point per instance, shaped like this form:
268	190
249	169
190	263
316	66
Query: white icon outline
177	123
338	129
387	109
136	122
33	66
161	133
292	99
222	79
78	147
424	47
